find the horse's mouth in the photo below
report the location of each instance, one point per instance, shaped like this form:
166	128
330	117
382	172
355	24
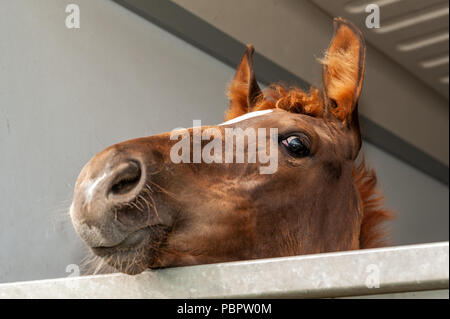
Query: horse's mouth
132	242
136	253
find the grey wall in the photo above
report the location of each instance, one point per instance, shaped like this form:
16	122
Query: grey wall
67	94
421	203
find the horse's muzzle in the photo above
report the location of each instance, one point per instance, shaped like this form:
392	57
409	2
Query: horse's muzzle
109	203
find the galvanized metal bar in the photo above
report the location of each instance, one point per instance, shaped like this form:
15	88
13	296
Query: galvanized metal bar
403	269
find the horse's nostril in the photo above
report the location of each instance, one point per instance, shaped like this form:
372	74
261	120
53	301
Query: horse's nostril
127	179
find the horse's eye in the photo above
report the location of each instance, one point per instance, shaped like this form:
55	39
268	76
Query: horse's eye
295	145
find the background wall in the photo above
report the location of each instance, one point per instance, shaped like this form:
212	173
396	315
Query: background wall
67	94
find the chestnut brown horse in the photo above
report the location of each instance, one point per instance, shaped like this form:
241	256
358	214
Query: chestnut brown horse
137	209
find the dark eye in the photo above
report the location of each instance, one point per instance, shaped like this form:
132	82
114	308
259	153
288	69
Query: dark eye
295	146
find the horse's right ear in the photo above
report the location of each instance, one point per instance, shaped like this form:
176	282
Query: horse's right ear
343	70
343	76
243	91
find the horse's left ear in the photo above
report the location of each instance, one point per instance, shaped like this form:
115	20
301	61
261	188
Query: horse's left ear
343	76
243	91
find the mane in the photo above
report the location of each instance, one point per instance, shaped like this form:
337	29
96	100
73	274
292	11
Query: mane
291	99
373	233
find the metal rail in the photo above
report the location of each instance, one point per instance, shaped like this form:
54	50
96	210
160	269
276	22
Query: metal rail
403	271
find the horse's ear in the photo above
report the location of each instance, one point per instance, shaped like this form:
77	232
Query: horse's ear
343	75
243	91
343	69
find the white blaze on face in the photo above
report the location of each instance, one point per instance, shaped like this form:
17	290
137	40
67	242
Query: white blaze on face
246	116
92	185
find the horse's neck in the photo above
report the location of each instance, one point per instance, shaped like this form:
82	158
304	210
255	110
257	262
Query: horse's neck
325	222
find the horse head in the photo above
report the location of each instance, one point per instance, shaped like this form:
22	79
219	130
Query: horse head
212	193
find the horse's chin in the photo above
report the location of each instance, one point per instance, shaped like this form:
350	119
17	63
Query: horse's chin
131	264
136	253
